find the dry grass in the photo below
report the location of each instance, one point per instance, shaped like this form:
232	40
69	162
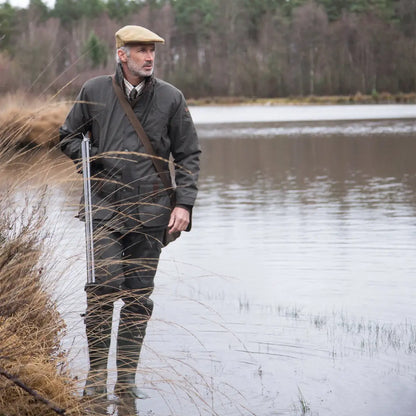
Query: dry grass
30	326
30	121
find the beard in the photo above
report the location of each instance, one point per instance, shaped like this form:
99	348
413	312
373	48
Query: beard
137	70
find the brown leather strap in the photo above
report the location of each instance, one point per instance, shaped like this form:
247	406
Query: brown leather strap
157	162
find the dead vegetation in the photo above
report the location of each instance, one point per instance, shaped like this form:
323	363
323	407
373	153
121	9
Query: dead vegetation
26	121
34	379
30	325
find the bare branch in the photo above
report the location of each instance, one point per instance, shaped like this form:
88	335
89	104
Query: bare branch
32	392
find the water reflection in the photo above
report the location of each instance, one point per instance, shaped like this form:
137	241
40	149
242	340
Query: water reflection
308	158
331	209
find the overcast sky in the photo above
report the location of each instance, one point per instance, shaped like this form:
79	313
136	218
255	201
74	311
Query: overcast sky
24	3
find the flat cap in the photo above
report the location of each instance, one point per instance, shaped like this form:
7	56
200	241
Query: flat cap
136	34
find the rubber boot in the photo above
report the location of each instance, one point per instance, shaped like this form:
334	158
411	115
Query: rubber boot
98	322
96	384
132	329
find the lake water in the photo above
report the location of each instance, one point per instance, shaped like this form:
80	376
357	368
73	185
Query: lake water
294	294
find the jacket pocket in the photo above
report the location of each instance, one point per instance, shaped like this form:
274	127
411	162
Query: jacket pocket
154	207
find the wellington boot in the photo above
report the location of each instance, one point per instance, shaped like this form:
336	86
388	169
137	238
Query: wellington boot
126	407
96	384
130	337
98	321
126	388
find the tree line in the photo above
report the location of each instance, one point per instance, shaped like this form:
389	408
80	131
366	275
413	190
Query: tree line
250	48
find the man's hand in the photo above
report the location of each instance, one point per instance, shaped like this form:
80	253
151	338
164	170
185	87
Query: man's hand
179	220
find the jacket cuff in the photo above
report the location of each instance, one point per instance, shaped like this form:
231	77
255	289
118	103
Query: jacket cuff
187	207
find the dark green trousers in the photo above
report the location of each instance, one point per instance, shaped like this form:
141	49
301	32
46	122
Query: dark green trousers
125	267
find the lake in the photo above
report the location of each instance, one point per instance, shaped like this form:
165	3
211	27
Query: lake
294	294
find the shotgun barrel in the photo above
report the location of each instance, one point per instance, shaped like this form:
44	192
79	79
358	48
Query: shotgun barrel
89	240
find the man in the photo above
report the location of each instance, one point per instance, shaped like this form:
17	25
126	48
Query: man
131	206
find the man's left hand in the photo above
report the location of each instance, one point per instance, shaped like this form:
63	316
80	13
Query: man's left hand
179	220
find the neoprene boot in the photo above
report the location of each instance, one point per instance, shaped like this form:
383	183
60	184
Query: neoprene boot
98	322
131	333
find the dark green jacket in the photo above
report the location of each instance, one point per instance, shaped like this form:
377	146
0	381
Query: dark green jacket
126	188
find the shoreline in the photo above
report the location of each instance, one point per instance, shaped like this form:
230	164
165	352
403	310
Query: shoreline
358	98
257	113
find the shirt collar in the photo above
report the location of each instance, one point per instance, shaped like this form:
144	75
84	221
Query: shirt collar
129	87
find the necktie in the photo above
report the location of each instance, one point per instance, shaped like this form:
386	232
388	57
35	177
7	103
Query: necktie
133	94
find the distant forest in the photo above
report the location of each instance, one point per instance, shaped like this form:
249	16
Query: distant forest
218	48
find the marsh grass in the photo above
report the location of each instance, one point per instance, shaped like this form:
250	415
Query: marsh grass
34	376
28	121
304	407
369	336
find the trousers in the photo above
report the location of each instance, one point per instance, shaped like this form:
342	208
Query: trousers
125	267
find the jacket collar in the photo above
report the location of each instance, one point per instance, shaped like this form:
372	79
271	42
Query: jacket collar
120	76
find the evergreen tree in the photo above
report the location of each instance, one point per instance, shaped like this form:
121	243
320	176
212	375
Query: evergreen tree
91	8
68	11
96	51
39	10
8	19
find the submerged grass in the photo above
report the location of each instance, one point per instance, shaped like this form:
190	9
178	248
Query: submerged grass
368	335
303	404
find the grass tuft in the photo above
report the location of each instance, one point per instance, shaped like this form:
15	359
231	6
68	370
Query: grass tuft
26	121
34	379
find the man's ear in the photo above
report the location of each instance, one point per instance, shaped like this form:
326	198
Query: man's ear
122	55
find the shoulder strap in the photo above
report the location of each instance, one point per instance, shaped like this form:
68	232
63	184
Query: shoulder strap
157	161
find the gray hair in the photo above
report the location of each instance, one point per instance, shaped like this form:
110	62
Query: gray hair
125	49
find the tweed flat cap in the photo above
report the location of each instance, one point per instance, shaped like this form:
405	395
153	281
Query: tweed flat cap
136	34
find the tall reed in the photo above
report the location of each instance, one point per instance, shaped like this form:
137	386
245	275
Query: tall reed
34	379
